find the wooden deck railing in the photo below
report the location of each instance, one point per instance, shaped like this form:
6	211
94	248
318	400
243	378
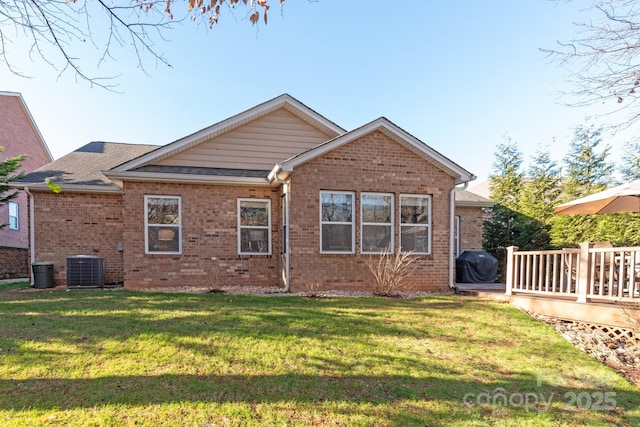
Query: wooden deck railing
583	274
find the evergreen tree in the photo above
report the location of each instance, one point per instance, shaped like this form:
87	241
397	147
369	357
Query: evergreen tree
8	174
540	191
630	167
587	171
539	194
506	179
504	224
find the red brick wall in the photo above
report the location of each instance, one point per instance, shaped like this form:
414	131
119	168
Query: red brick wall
69	224
14	263
18	136
470	228
209	239
374	163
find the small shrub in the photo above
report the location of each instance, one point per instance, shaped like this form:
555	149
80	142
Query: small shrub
391	271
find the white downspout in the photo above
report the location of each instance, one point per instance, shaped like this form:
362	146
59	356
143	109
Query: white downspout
287	255
452	219
32	235
286	185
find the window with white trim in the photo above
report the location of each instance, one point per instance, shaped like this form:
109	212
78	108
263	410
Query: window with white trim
415	224
376	217
163	224
14	220
337	225
254	226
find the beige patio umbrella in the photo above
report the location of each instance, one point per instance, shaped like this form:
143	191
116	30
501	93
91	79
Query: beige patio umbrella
623	198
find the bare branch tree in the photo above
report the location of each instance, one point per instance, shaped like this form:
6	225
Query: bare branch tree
606	56
66	25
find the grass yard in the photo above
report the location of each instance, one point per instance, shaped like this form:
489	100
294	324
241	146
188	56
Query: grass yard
111	358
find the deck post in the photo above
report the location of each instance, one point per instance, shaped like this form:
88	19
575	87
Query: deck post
509	272
582	279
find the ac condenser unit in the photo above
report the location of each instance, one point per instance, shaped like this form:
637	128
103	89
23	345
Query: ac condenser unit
85	271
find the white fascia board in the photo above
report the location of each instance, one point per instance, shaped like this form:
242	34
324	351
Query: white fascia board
227	125
187	179
394	132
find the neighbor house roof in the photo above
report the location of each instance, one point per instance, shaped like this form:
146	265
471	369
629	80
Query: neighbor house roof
81	170
468	198
394	132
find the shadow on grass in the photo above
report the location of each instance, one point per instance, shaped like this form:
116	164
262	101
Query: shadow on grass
67	393
84	320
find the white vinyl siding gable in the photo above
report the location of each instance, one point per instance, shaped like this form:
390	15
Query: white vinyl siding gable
257	145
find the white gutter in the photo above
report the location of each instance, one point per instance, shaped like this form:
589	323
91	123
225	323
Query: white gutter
286	185
32	235
191	179
452	219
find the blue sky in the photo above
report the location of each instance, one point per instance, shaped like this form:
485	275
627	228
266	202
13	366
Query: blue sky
457	75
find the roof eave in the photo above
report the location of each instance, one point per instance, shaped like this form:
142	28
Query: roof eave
187	179
67	188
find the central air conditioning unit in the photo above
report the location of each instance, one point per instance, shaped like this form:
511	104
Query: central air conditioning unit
85	271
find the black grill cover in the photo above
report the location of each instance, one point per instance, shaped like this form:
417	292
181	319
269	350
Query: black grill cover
476	267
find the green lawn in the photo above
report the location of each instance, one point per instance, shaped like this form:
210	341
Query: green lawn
113	358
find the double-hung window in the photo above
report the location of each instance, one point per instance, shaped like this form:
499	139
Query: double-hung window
376	216
14	221
254	226
415	224
337	226
163	224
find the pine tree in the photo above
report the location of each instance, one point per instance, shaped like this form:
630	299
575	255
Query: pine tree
630	167
501	228
540	191
506	179
587	171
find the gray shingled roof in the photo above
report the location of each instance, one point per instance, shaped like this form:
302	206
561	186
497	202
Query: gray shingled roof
191	170
84	166
467	198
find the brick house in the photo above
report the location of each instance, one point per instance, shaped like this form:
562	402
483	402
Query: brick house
275	196
18	135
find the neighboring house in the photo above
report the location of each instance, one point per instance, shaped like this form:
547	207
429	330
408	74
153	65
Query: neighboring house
18	135
275	196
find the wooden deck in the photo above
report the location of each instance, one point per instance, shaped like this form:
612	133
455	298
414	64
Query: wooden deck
598	285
